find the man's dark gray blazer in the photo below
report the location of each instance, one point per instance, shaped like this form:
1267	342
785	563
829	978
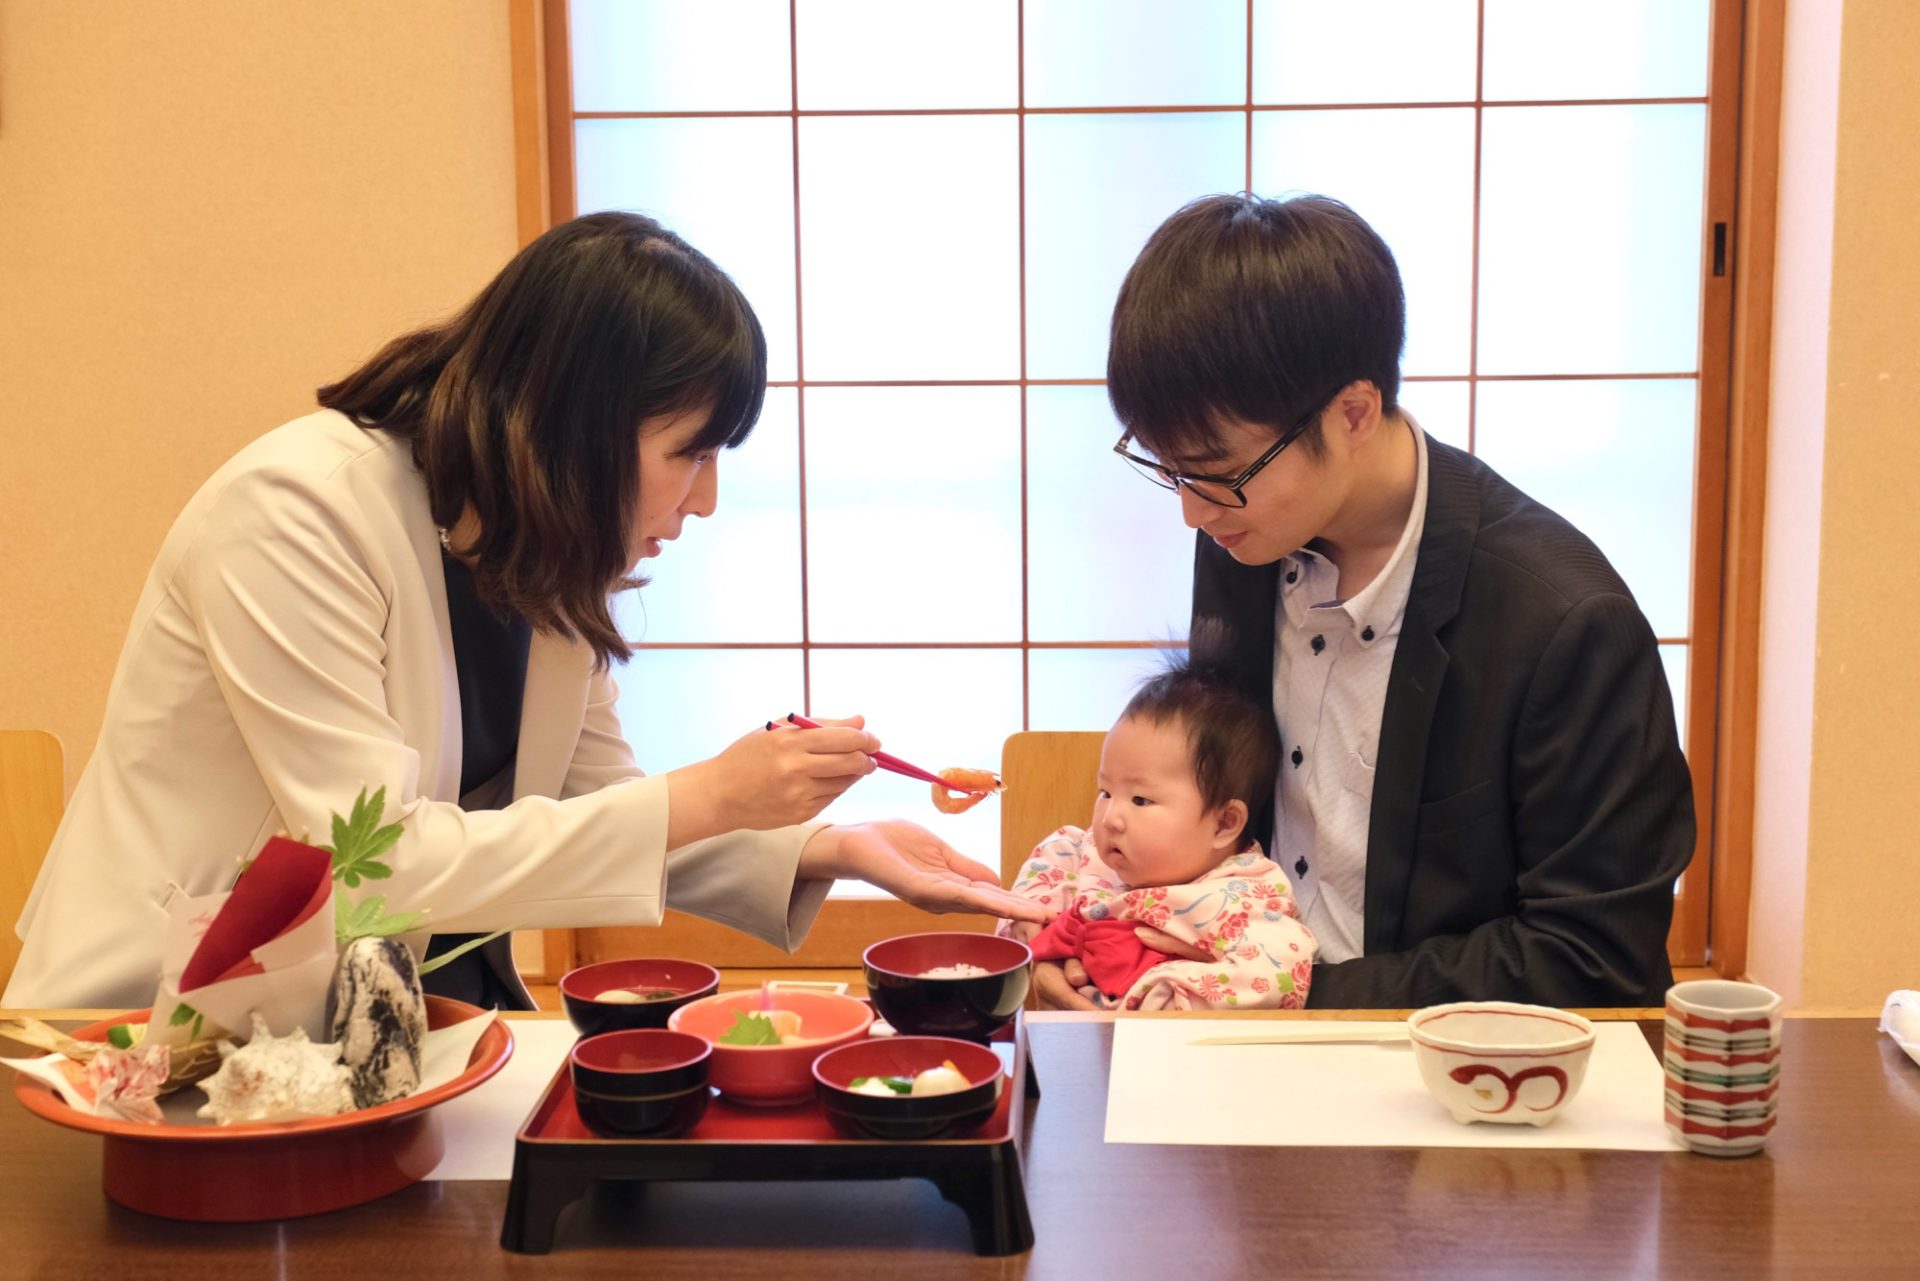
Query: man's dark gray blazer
1531	807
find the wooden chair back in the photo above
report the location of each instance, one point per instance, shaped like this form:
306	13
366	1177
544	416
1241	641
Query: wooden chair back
1050	777
32	796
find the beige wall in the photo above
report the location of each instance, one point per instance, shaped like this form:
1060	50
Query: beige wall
206	210
1836	870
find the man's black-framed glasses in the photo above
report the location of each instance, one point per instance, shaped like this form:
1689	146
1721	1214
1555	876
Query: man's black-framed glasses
1222	491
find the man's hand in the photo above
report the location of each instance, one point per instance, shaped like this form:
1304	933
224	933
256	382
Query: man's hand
914	865
1058	984
1161	941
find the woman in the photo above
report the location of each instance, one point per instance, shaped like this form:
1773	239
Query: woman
408	589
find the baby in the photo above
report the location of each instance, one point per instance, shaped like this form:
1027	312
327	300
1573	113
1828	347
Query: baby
1167	852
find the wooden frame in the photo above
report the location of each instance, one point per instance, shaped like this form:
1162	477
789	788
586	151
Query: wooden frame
1751	348
1687	941
1742	169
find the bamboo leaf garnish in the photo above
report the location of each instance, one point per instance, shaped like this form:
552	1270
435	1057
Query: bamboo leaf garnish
455	953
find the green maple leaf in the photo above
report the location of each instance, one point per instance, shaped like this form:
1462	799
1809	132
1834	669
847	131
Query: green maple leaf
750	1029
369	918
184	1014
359	841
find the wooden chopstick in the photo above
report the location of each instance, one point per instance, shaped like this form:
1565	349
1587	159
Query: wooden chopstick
1328	1037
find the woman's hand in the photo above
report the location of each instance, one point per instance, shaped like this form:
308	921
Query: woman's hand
912	864
770	778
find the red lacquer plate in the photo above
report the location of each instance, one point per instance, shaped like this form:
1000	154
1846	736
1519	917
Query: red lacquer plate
246	1173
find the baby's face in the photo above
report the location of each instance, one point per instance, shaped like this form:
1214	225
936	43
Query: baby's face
1148	819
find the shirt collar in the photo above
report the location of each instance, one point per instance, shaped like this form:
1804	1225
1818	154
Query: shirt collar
1375	612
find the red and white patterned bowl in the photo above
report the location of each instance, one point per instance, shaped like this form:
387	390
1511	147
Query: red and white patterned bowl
1501	1062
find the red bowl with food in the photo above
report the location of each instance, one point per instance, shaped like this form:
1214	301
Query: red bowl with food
640	991
747	1067
907	1088
964	985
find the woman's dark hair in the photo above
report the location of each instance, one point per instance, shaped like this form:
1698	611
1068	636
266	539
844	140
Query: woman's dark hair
1233	743
527	406
1252	309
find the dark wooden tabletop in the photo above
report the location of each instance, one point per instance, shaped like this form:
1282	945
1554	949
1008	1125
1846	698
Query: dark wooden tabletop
1834	1194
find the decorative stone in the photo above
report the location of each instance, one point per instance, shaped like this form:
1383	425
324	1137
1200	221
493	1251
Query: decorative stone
380	1019
276	1078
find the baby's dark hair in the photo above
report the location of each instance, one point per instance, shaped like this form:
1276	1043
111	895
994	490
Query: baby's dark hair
1233	742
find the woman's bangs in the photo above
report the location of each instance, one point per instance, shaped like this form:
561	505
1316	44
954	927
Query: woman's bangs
727	367
737	393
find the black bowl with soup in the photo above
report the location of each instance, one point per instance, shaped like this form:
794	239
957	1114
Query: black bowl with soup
641	991
964	985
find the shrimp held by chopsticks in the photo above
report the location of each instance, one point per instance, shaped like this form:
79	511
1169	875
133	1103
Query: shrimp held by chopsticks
974	786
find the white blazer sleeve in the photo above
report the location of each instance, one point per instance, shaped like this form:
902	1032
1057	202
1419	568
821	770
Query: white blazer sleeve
747	880
289	599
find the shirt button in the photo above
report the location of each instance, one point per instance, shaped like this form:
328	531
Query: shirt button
1300	866
1298	756
1319	643
1366	633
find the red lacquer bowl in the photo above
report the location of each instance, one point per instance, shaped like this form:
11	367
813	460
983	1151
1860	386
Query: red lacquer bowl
969	1008
907	1118
772	1075
246	1173
580	988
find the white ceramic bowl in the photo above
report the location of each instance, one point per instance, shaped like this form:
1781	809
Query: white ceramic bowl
1497	1061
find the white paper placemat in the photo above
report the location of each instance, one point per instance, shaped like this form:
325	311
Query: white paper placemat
481	1123
1164	1090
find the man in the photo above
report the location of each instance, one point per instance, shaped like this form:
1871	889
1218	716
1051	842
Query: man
1481	792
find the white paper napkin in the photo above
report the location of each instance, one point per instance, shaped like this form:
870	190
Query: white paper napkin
1901	1021
1164	1089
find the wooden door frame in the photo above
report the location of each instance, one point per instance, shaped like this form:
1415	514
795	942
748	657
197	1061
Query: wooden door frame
1736	692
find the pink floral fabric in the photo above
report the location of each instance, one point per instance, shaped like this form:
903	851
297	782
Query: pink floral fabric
1242	913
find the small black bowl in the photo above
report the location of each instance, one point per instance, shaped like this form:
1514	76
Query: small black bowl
645	1082
906	1118
972	1008
580	989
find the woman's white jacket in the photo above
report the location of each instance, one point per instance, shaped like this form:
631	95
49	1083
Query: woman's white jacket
291	646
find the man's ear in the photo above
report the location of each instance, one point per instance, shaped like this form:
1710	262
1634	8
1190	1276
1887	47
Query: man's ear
1357	410
1229	821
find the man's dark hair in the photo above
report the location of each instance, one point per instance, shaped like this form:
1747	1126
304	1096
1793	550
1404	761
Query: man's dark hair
1252	309
1231	740
528	404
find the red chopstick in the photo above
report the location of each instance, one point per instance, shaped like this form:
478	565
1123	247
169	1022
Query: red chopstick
889	762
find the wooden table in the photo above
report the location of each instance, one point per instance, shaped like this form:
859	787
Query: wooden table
1834	1194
